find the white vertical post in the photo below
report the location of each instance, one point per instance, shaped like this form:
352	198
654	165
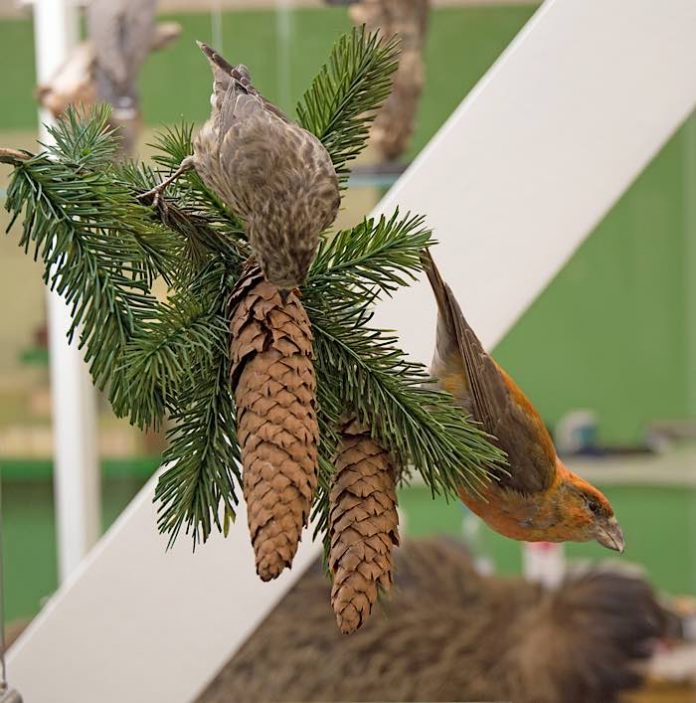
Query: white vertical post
75	463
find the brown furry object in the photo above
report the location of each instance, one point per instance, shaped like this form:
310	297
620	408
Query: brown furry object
449	634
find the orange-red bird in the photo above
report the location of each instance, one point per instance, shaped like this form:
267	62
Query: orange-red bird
540	499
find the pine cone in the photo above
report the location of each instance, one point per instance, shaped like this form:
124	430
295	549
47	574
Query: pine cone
274	383
363	526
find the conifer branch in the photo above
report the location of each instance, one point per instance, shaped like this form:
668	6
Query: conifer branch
395	398
372	258
97	251
203	454
102	249
344	97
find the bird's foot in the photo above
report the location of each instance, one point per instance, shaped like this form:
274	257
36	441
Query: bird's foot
151	197
154	197
155	194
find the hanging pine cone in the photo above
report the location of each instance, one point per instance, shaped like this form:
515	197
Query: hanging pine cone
363	526
274	384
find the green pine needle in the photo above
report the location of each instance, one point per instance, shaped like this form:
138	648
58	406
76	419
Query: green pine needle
344	97
162	352
202	457
203	453
372	258
397	400
98	251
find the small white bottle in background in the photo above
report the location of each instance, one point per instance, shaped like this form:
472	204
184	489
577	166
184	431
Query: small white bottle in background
543	562
473	529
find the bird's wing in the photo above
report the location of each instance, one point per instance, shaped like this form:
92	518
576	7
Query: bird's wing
489	394
234	95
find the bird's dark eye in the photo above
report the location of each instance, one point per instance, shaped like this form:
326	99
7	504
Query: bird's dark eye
594	507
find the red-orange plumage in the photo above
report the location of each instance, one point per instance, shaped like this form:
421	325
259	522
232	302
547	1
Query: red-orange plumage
538	499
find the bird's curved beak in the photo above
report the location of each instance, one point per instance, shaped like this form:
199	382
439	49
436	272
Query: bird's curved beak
610	535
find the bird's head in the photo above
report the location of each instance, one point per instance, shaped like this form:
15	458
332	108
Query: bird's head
588	515
284	246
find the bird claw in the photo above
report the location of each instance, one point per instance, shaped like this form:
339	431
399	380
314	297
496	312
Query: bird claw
154	198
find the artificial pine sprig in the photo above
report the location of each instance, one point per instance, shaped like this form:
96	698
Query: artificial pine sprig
103	248
98	250
344	97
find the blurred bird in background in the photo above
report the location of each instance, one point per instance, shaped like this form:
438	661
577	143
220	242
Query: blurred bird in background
408	19
105	67
448	633
539	499
271	172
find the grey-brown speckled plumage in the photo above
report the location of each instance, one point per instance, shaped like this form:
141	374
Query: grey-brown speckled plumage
275	175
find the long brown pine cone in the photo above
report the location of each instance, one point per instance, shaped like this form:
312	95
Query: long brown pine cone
363	526
274	385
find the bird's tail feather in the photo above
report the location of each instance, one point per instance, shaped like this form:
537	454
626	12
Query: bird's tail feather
450	320
215	58
443	294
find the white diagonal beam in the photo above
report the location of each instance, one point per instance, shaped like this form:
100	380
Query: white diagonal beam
545	144
519	175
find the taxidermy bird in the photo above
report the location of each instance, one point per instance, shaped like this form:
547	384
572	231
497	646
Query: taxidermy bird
408	19
75	81
448	633
539	499
121	32
104	68
271	172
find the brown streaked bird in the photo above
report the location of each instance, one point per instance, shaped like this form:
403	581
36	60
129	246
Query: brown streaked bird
540	499
271	172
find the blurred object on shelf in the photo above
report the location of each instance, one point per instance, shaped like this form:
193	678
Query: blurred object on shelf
683	608
39	401
543	563
72	84
473	529
395	122
577	434
677	665
154	441
676	467
447	633
34	356
576	431
30	441
664	434
41	336
379	175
